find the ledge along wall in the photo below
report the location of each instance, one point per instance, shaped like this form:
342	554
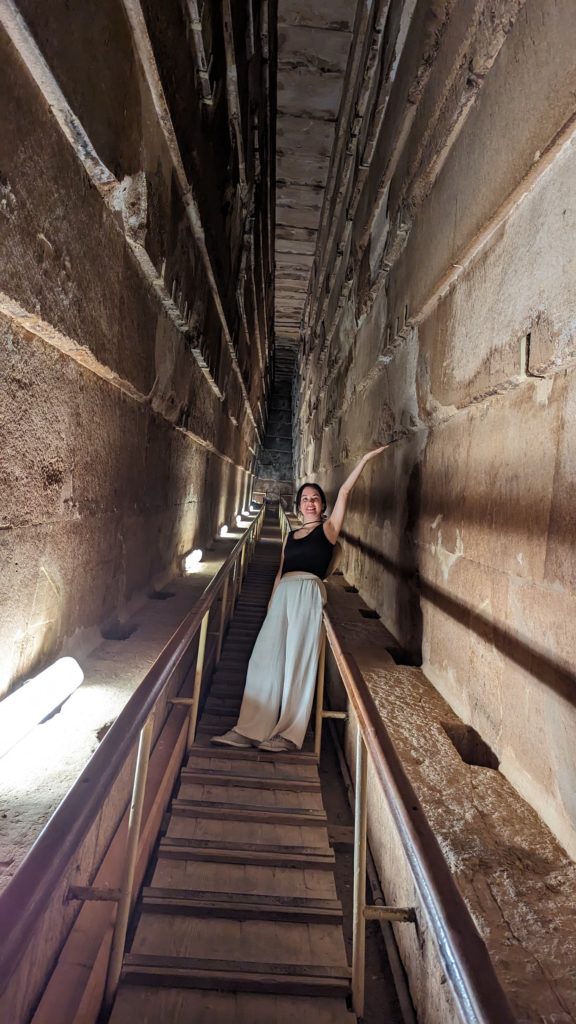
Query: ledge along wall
449	323
134	305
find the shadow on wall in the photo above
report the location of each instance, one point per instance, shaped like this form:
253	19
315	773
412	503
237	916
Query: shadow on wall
408	609
530	657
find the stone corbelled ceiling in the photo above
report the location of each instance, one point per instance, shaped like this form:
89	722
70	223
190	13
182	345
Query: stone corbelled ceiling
313	42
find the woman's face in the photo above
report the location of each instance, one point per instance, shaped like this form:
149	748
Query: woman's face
310	504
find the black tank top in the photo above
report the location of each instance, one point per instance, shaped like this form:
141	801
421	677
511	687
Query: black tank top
312	553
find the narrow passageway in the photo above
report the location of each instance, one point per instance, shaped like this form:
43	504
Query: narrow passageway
241	921
243	244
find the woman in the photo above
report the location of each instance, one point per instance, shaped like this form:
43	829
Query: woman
282	670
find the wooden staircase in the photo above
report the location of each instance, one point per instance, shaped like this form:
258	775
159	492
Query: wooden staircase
241	922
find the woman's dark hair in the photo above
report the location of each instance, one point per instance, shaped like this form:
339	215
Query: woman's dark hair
318	490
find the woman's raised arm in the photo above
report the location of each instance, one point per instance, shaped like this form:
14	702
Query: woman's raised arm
333	524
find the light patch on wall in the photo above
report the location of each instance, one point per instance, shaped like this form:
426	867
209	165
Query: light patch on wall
37	699
192	561
543	390
35	631
446	559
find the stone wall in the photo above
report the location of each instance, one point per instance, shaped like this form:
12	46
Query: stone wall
135	226
448	326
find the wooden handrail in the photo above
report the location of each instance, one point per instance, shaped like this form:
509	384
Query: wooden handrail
29	891
478	993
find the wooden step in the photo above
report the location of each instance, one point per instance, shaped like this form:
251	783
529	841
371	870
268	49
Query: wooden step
249	812
163	1005
227	700
236	975
300	757
219	777
210	723
241	906
218	706
262	854
232	677
227	692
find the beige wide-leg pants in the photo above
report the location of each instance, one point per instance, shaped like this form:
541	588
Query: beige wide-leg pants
282	670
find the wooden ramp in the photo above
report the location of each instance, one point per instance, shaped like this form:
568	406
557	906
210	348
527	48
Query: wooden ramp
241	922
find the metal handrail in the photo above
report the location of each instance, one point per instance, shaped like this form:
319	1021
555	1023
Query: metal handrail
478	994
29	891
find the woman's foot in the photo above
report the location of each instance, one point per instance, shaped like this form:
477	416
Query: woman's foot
232	739
276	744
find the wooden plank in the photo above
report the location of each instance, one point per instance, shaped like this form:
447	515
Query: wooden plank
227	939
241	907
341	835
193	963
248	812
265	833
270	799
219	706
253	754
292	769
219	851
215	725
248	880
181	1006
216	777
237	976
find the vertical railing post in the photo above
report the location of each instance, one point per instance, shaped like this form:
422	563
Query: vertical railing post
242	560
197	680
358	921
234	587
222	626
320	695
134	823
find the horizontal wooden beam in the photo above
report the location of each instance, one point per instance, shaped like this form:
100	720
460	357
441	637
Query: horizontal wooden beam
233	754
241	906
217	777
236	976
249	812
219	851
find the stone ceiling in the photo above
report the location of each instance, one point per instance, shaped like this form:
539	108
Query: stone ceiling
314	38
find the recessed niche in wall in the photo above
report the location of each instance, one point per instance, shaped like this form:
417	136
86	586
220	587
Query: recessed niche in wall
118	631
161	595
470	745
403	657
368	613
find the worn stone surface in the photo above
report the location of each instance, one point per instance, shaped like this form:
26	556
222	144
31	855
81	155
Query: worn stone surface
129	421
441	317
463	533
39	771
516	879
